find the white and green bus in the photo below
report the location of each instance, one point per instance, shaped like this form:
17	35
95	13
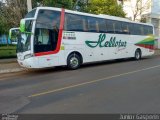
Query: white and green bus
13	34
59	37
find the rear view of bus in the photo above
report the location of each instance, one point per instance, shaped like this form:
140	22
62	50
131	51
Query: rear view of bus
41	32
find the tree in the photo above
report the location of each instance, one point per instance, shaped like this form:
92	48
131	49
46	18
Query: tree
67	4
2	21
53	3
14	10
109	7
11	14
139	8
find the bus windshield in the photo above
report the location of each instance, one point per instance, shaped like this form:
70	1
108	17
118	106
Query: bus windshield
46	31
24	39
23	42
31	14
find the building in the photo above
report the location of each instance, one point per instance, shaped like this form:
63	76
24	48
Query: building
153	16
144	11
135	8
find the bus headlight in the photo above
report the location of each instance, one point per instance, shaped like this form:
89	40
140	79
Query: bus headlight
28	56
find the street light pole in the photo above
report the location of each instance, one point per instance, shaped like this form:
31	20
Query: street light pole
29	5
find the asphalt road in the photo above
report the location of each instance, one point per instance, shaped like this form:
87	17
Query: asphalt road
124	86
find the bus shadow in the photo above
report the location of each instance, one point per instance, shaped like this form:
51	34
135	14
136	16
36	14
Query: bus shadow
88	65
46	70
107	62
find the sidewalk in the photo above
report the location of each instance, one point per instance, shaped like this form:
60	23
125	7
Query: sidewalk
9	65
157	52
10	60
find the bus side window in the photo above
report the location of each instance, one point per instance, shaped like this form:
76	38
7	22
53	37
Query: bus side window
110	26
97	27
137	29
145	30
74	22
102	25
85	24
150	30
92	24
65	22
43	37
142	29
118	27
125	29
46	31
131	28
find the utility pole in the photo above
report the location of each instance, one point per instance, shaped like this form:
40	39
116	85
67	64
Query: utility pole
29	5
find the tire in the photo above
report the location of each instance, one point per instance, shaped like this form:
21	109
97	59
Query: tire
73	61
137	55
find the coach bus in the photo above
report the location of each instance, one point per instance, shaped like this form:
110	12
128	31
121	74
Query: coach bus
59	37
13	34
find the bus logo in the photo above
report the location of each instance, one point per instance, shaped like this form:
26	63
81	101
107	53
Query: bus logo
102	43
147	43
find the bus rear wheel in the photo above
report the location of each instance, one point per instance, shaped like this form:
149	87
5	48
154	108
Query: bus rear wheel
73	61
138	54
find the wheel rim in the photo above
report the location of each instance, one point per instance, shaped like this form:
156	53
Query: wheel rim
74	62
137	55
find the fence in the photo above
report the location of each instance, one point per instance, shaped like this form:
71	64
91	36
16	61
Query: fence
4	39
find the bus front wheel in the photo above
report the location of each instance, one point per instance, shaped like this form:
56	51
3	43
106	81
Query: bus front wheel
138	54
73	61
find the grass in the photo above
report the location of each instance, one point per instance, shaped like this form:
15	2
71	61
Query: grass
7	51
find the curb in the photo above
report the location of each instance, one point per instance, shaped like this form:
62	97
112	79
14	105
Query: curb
157	52
5	61
11	70
10	66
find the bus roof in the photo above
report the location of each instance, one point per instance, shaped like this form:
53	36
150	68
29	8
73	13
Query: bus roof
94	15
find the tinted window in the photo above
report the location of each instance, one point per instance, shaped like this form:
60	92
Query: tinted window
46	32
75	22
150	30
45	40
142	30
102	25
137	29
125	28
110	26
145	29
28	25
31	14
118	27
130	28
92	24
43	36
48	19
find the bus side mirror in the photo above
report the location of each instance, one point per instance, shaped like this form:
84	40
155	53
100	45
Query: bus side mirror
22	25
